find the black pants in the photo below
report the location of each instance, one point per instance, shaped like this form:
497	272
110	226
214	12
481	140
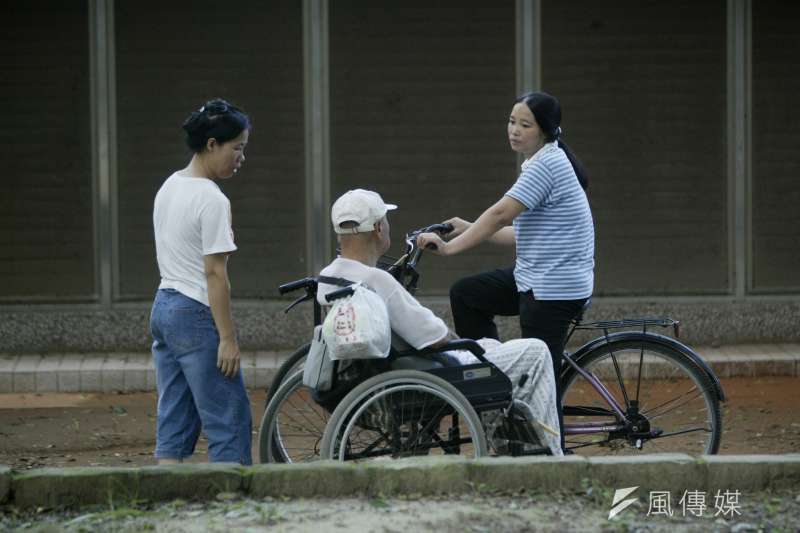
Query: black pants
476	300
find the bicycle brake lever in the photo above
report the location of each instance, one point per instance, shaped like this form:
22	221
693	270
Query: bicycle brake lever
298	301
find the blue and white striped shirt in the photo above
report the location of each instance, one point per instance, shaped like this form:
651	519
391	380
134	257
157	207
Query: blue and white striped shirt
555	234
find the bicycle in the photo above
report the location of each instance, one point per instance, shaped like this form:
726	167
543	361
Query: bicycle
622	392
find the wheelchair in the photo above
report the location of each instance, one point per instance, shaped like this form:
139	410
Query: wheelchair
624	392
415	402
412	403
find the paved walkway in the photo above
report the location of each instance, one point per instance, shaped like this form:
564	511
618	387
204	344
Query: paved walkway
100	372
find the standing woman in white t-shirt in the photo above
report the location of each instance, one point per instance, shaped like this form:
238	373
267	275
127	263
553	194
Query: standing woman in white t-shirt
545	215
195	348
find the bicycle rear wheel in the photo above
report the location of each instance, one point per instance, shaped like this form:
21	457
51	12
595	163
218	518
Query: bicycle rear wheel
671	402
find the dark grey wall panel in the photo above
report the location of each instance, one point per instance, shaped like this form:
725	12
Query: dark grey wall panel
46	235
642	86
167	65
776	138
420	94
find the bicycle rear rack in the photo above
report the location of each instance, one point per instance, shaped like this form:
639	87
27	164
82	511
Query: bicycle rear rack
629	323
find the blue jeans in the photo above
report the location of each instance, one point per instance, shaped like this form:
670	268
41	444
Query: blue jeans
192	392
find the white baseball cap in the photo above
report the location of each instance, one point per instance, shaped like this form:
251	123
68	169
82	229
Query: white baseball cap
366	208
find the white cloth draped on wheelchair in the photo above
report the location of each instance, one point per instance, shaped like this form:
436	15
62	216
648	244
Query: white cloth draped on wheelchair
538	393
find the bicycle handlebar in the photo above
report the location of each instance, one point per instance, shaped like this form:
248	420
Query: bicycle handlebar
441	229
310	283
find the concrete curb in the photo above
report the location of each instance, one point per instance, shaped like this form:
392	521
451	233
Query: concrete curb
5	483
676	473
55	487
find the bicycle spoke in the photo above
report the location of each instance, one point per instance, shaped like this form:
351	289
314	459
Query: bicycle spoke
682	432
639	374
651	416
621	381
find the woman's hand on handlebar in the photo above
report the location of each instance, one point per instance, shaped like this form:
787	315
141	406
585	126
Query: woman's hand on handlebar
459	226
432	242
435	243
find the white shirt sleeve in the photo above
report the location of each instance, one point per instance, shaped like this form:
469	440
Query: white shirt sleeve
216	225
417	325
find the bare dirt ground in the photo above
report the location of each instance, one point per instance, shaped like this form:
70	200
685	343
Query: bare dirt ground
39	430
466	513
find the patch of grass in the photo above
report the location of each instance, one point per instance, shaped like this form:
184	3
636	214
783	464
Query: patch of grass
268	515
122	513
599	495
379	502
480	489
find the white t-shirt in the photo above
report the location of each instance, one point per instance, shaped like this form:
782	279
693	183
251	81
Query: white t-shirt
191	219
415	324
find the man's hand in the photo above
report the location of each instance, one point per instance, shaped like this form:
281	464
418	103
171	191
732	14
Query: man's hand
228	357
451	336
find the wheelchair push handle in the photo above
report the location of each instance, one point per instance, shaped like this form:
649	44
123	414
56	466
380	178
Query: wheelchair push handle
340	293
295	285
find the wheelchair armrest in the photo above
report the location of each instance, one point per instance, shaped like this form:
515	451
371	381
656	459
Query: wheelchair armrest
458	344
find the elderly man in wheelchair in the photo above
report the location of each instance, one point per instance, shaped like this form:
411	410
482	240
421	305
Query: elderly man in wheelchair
435	393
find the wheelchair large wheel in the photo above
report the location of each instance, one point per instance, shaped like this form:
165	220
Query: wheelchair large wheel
403	413
293	424
672	401
289	367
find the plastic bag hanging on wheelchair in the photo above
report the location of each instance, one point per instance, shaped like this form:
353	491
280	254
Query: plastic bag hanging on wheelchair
319	368
357	326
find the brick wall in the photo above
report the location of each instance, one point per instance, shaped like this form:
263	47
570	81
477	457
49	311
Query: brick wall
642	86
46	231
776	137
420	95
420	92
167	66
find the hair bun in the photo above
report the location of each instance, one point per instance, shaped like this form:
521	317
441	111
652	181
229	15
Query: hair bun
195	121
216	118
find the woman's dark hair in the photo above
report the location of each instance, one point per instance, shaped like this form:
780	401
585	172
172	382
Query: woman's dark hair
547	112
217	119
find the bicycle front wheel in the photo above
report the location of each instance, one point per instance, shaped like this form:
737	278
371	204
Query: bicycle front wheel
670	403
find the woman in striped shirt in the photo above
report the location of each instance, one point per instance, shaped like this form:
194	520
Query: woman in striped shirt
546	216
